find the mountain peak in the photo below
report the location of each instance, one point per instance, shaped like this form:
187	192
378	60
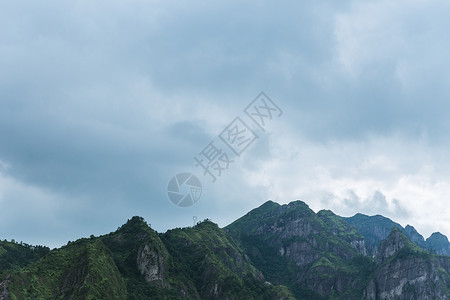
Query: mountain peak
360	215
273	252
392	245
269	204
264	208
438	243
298	203
414	236
135	220
136	227
439	237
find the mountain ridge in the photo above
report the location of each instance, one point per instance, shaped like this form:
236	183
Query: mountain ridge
437	242
273	252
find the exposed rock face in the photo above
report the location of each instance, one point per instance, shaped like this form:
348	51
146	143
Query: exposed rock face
217	263
287	227
410	278
302	252
317	249
273	252
407	272
330	257
200	262
391	246
151	264
360	246
4	294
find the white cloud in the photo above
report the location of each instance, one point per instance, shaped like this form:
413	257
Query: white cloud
402	179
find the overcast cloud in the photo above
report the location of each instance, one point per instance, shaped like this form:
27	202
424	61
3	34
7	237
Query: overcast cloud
101	103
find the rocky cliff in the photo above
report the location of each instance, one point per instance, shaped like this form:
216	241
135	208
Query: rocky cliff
316	255
136	263
273	252
405	271
326	257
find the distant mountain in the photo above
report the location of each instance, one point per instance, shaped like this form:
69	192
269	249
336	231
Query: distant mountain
414	236
377	228
273	252
373	228
438	243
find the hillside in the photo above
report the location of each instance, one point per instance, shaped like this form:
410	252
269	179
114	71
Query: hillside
273	252
135	262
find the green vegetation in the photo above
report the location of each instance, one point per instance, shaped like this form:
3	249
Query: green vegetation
84	270
125	244
135	263
409	249
273	252
373	228
313	248
215	260
16	255
339	226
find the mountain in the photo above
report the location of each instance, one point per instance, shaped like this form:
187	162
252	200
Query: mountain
405	271
15	255
323	256
414	236
81	270
273	252
377	228
373	228
316	255
438	243
135	262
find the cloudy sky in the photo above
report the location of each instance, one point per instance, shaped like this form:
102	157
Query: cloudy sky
101	103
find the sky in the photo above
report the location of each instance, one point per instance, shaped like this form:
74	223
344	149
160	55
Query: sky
103	102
